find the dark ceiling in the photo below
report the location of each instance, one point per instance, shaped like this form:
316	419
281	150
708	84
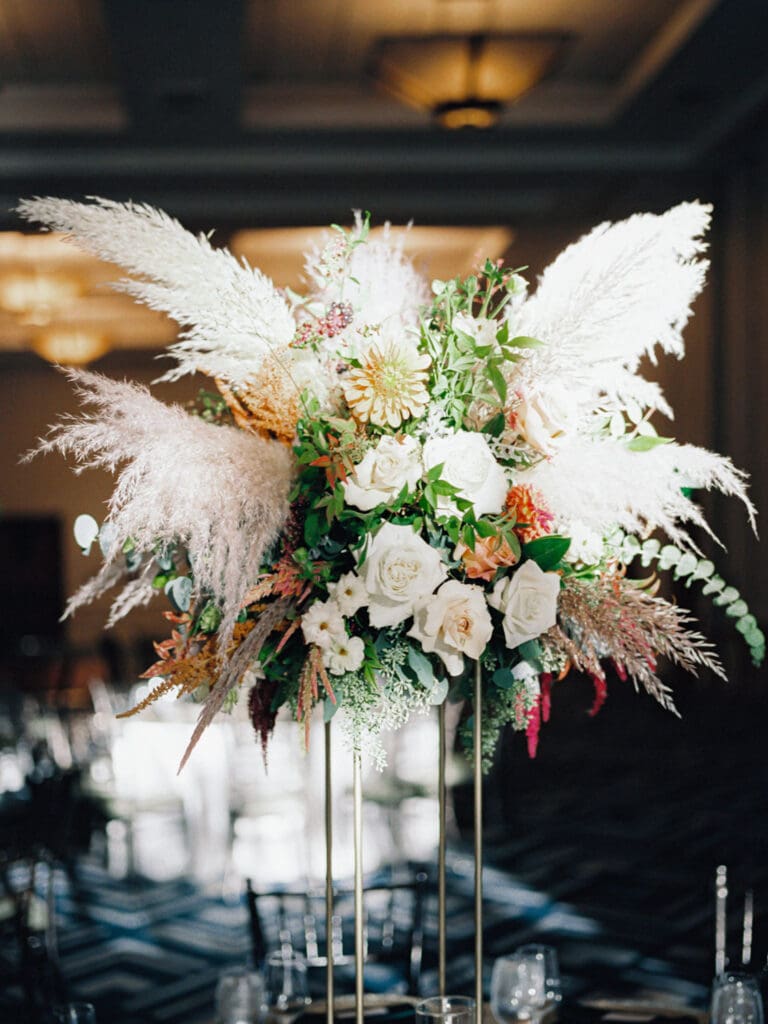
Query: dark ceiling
177	69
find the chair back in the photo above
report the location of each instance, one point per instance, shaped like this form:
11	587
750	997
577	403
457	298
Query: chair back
393	927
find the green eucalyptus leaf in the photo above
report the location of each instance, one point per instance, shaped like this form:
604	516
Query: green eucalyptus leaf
329	708
422	667
669	556
686	565
746	624
179	592
737	610
86	530
438	692
107	538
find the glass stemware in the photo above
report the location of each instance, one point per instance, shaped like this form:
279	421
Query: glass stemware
736	999
75	1013
285	987
446	1010
518	989
548	956
239	997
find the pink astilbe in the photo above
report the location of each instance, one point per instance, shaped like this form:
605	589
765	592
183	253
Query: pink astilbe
222	493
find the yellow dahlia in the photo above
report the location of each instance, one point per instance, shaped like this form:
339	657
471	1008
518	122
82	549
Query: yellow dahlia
390	386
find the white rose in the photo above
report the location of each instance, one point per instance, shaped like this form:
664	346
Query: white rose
349	593
528	602
453	622
384	471
469	465
344	655
323	623
545	418
399	570
480	328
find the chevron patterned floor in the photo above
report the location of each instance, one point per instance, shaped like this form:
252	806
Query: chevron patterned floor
604	847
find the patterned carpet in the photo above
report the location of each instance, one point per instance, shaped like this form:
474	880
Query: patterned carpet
604	847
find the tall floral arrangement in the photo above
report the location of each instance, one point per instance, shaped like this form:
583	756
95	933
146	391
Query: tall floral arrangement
395	479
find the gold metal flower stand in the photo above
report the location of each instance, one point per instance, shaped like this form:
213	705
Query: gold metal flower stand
357	792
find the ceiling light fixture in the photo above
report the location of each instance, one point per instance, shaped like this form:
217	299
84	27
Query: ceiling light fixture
35	296
70	346
465	81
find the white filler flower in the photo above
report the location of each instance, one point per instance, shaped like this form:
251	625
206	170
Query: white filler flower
469	465
349	593
453	622
399	570
393	464
345	655
528	602
323	623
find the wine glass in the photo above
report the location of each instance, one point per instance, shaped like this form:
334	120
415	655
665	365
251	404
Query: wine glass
75	1013
446	1010
548	956
239	996
518	989
285	987
736	999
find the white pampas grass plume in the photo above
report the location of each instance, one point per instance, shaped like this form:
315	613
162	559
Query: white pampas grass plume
601	484
233	314
222	493
380	281
611	298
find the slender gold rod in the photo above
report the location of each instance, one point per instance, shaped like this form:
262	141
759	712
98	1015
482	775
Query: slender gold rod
478	772
441	857
357	796
328	879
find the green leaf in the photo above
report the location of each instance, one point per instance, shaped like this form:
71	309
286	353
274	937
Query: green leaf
485	529
422	667
468	536
547	552
503	678
496	378
644	443
530	651
329	708
179	593
209	619
737	610
495	425
523	341
434	473
86	530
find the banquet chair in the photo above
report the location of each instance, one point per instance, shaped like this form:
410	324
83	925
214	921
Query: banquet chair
294	922
28	937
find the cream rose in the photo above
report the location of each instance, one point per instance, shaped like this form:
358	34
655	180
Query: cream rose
545	418
393	464
399	570
453	622
469	465
528	602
